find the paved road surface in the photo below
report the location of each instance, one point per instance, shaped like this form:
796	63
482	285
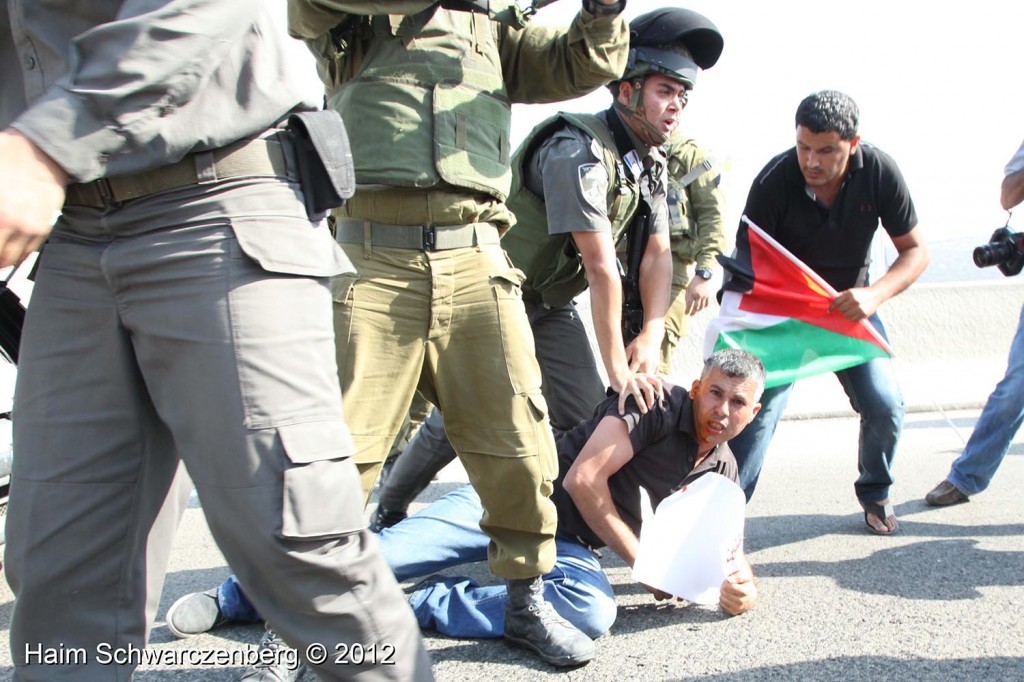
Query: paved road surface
943	600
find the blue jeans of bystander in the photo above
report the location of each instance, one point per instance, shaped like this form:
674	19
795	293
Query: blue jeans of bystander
999	422
874	394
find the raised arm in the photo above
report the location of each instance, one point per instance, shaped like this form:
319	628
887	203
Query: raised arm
573	62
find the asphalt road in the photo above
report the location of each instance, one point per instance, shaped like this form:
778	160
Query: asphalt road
941	600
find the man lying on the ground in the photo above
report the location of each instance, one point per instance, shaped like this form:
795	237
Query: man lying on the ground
604	462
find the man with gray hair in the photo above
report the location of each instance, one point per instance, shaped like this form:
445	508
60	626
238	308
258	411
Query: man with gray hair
604	462
823	200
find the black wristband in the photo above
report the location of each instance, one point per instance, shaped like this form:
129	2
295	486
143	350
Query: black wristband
600	10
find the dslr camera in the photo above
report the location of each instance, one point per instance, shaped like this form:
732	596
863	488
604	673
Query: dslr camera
1005	250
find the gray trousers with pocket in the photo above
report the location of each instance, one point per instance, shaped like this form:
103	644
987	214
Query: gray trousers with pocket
191	327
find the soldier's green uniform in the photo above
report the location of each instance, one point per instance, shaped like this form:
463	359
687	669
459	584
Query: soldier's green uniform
436	305
696	213
570	177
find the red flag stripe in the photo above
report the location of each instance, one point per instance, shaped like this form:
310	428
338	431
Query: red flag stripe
784	286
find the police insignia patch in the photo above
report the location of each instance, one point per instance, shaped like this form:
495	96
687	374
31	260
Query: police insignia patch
594	184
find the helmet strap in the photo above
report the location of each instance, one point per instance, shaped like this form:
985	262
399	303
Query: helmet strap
635	114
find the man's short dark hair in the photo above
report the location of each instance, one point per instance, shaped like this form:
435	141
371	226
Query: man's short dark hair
829	111
737	364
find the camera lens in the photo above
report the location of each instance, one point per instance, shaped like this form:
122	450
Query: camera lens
987	255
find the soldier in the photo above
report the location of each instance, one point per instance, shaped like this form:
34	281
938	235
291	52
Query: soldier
436	307
181	310
696	209
601	168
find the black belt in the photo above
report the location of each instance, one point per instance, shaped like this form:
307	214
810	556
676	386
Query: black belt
418	237
245	158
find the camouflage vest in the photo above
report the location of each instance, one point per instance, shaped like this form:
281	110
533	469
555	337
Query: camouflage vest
553	266
423	97
683	156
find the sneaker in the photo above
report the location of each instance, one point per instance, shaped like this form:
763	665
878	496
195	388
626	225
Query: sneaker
278	662
195	614
944	495
532	622
385	518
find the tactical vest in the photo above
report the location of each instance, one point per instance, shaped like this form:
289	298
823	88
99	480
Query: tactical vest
424	98
553	265
684	157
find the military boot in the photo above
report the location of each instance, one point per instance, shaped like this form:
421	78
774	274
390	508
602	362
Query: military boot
278	662
532	622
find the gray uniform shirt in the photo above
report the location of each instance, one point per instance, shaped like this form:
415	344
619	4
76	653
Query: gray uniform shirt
113	87
569	166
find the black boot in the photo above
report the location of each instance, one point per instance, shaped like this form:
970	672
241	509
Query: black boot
532	622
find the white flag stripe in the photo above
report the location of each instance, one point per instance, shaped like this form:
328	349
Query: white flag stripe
731	319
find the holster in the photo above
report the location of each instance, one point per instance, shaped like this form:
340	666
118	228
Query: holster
324	159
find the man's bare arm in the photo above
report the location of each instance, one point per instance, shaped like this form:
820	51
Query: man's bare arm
655	292
607	451
861	302
1012	190
598	253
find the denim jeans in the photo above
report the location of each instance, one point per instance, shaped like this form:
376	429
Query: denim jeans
999	422
447	533
874	394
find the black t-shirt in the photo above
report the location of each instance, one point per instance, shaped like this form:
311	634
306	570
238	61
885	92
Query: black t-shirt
665	451
833	241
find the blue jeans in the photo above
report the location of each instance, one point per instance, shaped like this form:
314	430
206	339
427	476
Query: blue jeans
999	422
447	533
874	394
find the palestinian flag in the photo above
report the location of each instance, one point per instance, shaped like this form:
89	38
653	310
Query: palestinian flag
784	318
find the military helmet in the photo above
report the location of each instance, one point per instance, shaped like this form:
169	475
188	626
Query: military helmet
672	41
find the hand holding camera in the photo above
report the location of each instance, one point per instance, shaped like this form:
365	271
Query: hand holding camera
1005	250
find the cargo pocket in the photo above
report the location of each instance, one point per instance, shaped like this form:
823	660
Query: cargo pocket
322	496
515	332
341	287
548	459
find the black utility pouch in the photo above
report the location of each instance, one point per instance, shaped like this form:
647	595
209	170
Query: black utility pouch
324	159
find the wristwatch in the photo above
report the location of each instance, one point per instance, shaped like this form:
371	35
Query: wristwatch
704	273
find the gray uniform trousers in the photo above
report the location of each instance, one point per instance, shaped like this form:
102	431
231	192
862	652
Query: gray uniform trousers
570	382
193	325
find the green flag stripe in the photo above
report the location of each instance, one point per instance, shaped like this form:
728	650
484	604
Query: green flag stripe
795	350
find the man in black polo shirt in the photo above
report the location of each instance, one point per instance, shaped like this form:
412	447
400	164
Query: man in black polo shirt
823	200
603	464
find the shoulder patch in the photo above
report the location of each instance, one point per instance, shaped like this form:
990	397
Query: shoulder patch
594	184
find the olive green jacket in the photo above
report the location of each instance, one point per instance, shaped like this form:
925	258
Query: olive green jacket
696	211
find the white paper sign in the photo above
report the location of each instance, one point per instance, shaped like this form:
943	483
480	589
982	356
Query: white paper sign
688	547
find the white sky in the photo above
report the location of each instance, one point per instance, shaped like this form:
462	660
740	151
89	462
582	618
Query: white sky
938	90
